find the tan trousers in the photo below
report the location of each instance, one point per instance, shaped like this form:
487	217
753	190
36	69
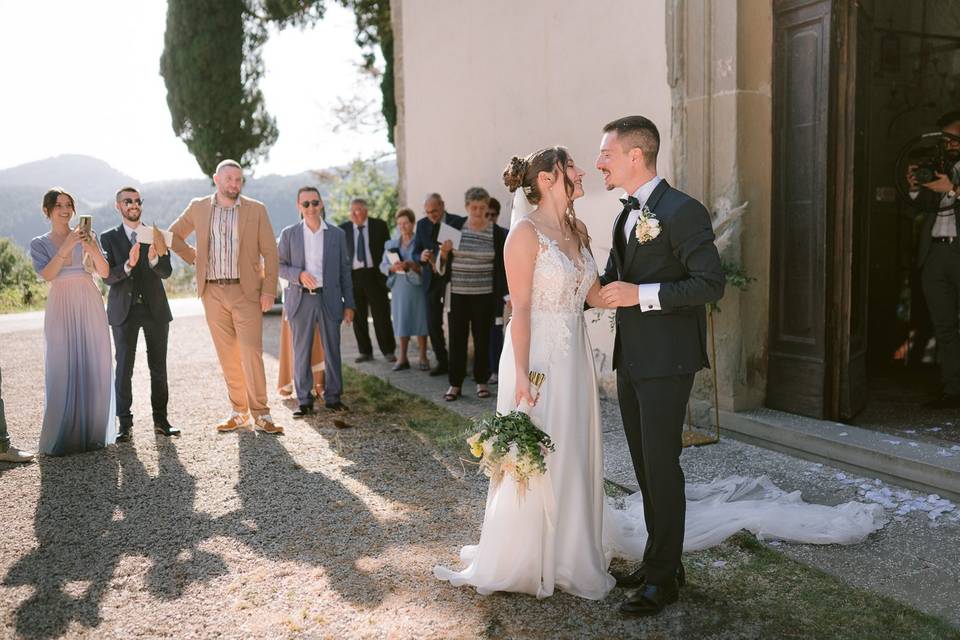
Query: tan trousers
236	326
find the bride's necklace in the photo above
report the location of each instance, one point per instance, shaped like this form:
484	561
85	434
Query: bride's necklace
562	230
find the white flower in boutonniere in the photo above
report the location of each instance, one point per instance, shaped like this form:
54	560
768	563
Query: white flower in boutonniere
648	226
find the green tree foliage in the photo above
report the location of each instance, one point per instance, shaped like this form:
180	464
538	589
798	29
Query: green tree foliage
212	66
20	288
374	30
363	179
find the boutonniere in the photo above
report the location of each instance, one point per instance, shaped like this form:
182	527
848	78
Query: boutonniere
648	226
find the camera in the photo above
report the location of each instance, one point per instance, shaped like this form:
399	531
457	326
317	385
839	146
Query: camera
927	170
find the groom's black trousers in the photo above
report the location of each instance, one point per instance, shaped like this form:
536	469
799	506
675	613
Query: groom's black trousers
653	410
125	342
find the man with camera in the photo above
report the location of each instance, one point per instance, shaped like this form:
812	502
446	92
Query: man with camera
938	254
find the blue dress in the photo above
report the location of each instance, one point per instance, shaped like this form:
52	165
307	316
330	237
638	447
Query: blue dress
78	408
407	301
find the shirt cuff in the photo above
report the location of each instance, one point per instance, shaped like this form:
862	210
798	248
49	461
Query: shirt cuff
649	296
126	267
155	262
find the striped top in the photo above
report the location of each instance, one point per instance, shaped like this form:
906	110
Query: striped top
223	261
472	271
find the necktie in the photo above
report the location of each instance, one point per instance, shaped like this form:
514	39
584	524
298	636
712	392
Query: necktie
133	237
361	246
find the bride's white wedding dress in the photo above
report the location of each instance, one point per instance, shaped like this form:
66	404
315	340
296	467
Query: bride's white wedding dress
563	532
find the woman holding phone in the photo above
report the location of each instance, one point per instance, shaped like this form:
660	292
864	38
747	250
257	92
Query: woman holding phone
78	409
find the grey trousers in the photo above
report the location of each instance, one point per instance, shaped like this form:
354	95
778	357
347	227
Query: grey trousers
941	286
311	312
4	436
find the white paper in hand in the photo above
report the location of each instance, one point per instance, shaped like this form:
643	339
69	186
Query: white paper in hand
145	235
449	233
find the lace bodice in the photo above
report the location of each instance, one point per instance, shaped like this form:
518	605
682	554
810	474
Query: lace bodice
560	285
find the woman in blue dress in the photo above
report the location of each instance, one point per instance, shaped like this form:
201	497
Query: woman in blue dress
407	302
78	409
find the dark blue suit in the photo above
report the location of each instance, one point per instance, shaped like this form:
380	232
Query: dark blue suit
425	238
324	307
137	300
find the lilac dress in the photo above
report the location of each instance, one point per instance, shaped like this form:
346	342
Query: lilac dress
78	410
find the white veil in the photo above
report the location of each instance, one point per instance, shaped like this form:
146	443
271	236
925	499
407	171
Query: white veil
521	207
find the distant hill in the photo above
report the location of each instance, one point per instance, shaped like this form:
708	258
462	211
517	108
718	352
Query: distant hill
90	178
93	182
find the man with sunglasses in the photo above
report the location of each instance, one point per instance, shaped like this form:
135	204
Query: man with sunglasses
315	261
137	300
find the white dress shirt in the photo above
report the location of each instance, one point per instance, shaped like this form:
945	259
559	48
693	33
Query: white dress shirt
130	231
648	295
313	251
944	226
366	244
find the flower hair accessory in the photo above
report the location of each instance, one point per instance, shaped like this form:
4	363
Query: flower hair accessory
648	226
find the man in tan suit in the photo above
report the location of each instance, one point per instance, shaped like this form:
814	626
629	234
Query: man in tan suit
233	235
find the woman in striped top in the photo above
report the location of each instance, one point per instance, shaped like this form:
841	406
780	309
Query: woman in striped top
477	282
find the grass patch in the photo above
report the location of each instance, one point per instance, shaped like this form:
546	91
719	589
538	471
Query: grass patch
739	589
762	593
365	393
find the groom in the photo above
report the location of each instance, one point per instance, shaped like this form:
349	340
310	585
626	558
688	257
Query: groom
662	271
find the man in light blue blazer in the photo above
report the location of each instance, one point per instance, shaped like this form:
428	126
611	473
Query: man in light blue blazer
315	262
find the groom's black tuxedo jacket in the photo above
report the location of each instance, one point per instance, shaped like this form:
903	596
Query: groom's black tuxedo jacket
685	261
142	280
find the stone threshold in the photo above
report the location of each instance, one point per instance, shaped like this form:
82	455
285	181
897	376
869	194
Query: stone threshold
917	465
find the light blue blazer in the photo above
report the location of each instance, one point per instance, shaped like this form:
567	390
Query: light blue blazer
337	292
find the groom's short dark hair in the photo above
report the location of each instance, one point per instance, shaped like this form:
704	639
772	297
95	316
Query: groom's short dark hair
637	131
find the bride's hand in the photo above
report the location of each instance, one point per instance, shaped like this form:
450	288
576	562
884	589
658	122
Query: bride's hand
523	395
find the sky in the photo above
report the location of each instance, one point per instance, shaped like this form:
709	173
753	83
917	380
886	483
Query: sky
84	77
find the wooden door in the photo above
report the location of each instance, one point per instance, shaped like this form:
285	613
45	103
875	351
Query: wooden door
817	348
797	364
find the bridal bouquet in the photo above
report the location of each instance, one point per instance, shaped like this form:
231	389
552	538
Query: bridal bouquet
511	444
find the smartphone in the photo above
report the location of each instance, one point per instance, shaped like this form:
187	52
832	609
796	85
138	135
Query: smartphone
85	224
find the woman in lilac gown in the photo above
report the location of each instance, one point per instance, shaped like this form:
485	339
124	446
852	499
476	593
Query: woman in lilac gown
78	411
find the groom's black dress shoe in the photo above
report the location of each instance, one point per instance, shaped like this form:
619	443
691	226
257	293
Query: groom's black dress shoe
639	578
126	433
650	600
165	429
304	411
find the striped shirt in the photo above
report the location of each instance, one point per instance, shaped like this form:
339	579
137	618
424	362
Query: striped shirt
223	261
472	271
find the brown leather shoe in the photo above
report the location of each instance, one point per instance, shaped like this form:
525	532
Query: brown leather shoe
233	423
266	424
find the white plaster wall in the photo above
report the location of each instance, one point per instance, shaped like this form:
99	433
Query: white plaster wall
482	81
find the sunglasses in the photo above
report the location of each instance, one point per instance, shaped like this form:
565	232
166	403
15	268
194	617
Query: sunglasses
310	203
130	201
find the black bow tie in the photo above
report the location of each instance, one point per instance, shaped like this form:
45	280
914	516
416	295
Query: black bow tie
630	203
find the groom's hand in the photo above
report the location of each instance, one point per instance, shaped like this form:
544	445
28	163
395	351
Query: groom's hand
620	294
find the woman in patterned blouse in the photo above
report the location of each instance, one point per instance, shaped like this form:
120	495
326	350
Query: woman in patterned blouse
477	282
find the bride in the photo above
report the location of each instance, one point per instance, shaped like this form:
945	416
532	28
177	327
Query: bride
561	532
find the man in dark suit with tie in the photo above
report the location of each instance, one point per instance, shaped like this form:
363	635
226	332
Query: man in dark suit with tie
938	257
366	237
314	260
425	246
138	301
662	271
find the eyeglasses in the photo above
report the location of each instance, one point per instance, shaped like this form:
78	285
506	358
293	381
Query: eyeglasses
310	203
130	201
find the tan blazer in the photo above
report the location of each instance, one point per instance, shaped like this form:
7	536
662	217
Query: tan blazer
256	241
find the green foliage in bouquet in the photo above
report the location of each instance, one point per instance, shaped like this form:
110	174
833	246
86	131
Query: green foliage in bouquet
510	444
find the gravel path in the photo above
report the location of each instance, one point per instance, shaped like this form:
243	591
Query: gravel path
323	532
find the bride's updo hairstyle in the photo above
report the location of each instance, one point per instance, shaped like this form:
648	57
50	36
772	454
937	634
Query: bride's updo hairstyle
521	173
